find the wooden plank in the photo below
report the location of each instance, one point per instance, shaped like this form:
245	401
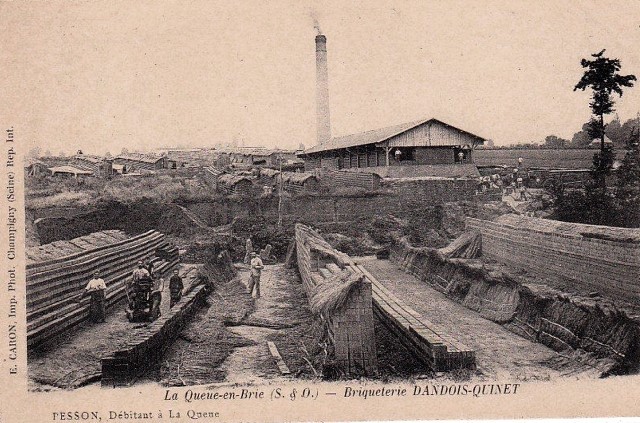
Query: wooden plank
282	366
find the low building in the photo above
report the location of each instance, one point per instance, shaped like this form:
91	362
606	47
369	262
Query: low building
34	167
119	169
299	182
231	184
87	162
255	156
426	143
268	177
139	161
69	171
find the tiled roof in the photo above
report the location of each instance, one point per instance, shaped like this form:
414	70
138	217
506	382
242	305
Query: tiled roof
374	136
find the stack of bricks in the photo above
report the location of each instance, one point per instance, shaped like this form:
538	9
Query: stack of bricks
565	260
431	344
147	345
342	178
54	285
354	334
350	326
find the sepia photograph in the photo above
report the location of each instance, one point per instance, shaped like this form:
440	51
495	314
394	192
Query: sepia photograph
241	204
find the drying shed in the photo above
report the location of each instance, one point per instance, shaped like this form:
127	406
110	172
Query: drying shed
234	184
268	177
300	182
67	170
34	167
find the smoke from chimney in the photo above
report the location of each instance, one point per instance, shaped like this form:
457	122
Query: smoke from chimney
316	24
322	90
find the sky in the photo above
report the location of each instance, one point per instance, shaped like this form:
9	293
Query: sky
105	75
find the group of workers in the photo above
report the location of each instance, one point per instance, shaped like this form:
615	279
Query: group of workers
142	275
513	183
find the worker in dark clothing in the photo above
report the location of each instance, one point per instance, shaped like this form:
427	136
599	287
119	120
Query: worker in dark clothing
149	267
175	288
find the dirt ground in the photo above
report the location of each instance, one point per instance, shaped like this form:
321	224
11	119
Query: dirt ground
227	342
74	359
500	354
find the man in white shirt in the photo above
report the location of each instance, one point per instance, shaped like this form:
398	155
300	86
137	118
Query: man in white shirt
254	279
96	288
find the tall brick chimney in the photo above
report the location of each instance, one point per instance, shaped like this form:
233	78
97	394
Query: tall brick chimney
322	91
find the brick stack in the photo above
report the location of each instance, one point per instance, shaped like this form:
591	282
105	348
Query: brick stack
53	285
570	258
431	345
350	325
147	345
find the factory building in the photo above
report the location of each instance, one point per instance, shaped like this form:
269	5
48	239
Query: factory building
427	147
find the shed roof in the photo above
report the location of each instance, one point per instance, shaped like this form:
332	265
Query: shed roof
296	177
89	158
139	157
597	141
30	161
268	172
69	169
215	171
231	179
377	136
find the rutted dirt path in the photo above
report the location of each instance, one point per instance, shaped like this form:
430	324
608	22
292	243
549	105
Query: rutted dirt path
500	354
228	341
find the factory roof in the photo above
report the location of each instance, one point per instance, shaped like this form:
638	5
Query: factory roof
379	135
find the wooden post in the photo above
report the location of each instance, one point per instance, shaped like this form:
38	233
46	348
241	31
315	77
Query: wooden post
386	155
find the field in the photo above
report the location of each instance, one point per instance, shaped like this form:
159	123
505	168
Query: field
539	158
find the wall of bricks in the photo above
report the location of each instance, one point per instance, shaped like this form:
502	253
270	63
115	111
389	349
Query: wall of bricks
527	306
350	326
147	345
345	179
569	262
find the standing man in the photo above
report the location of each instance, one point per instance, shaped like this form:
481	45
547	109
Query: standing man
96	288
248	246
149	267
254	279
175	288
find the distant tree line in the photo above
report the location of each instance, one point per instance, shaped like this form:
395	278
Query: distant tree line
616	131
